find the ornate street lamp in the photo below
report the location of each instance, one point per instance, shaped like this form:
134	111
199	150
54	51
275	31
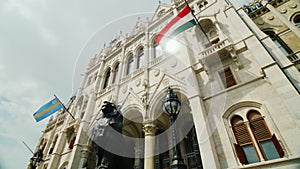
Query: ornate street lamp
172	106
36	159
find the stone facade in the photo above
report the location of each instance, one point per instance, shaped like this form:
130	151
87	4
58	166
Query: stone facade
239	93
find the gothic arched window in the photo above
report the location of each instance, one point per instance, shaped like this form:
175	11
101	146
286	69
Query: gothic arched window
53	144
116	73
106	78
130	64
140	58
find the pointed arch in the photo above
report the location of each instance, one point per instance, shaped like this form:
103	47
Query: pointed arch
53	144
106	78
140	57
156	49
116	71
130	64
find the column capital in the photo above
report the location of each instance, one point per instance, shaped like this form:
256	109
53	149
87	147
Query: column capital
149	129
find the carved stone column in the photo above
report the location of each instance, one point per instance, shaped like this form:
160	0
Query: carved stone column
149	130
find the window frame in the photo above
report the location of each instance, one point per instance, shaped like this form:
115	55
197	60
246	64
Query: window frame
224	83
106	79
140	56
116	72
130	60
280	43
240	155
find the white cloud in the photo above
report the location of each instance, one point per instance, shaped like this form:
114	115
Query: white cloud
30	10
19	97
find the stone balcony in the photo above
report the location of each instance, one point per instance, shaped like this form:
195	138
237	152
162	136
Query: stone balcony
216	49
295	57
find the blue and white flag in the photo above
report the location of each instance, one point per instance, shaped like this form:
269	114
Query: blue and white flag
48	109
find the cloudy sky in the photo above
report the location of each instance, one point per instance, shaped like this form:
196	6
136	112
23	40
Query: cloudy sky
40	42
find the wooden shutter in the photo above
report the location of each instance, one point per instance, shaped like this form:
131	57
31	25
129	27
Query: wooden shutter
240	154
241	134
260	129
72	143
277	146
227	78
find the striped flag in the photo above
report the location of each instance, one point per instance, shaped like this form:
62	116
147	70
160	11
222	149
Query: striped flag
48	109
183	21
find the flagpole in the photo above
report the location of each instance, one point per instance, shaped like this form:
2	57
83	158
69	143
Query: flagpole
27	147
197	21
64	106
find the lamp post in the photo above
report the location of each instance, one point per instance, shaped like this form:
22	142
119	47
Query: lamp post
36	159
172	106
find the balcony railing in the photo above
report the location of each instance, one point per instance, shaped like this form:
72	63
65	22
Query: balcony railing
294	57
155	61
214	48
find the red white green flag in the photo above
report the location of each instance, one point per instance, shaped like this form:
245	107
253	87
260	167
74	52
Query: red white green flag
183	21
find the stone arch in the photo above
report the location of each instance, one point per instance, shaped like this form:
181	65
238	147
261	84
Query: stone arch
156	104
113	66
64	165
209	28
116	71
162	120
140	46
239	105
53	145
154	47
129	59
106	77
133	121
140	56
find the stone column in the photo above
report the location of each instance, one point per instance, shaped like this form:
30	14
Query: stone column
149	130
284	20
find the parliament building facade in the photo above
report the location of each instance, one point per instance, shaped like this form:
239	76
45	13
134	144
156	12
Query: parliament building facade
236	74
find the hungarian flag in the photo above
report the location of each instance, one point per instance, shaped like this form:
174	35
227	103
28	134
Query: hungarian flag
183	21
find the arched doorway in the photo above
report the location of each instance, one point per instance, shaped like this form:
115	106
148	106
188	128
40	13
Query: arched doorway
187	136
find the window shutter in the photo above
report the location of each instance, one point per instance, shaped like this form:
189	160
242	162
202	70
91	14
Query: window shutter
241	133
240	154
227	78
72	143
260	129
277	146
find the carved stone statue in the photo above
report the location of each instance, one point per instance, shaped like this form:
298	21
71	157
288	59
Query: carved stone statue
107	134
